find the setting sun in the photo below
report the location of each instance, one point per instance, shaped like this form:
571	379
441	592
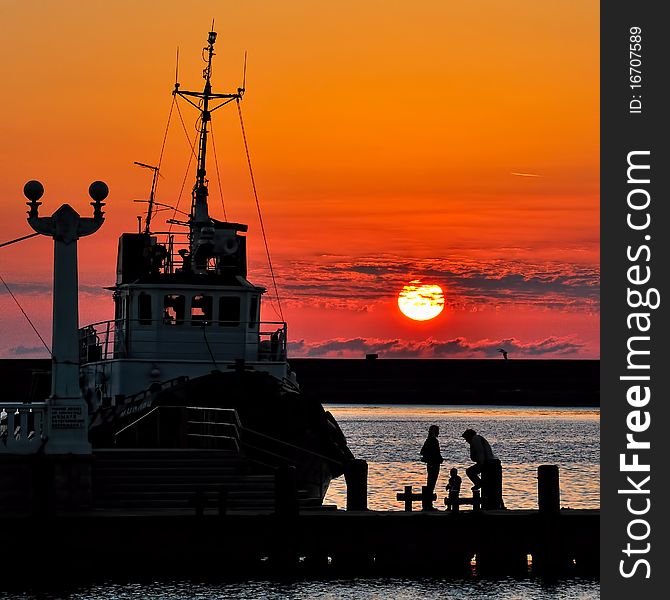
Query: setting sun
421	301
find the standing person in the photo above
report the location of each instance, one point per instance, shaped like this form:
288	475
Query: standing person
480	452
430	454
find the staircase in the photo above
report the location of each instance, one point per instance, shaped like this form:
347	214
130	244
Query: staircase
175	478
181	457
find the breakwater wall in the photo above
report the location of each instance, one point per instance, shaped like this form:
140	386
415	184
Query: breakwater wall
400	381
457	381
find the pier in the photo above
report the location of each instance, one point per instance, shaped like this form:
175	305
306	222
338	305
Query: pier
313	542
278	535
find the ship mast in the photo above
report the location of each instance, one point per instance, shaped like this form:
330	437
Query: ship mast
201	231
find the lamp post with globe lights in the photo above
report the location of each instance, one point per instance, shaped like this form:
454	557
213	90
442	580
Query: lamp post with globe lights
67	416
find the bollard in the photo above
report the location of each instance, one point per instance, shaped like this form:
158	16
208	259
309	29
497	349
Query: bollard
406	497
492	485
356	476
476	500
548	489
286	492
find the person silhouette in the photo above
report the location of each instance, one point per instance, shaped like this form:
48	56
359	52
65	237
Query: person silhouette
3	425
454	483
480	452
453	489
430	454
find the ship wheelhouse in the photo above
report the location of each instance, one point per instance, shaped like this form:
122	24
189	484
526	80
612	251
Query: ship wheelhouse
172	319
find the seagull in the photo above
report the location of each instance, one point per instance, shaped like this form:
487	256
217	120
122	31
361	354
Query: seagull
503	352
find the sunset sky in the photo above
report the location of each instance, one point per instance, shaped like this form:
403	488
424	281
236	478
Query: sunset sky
452	142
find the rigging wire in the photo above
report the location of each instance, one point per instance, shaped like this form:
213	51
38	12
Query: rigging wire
25	237
167	128
188	166
218	175
258	207
183	124
25	314
20	239
181	192
209	348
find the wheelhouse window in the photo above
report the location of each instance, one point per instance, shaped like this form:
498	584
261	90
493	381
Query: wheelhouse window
253	312
201	310
173	309
119	307
229	311
144	308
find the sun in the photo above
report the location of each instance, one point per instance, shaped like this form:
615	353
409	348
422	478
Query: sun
421	301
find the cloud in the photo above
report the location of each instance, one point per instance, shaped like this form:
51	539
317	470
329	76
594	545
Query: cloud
466	281
431	348
39	288
24	351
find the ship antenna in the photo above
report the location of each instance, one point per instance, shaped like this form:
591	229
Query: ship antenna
176	71
201	225
241	90
150	210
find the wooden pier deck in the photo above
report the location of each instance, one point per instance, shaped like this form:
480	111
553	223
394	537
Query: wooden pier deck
313	542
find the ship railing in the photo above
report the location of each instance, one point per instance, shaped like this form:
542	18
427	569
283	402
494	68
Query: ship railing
207	416
102	341
216	423
175	243
293	447
309	463
182	427
224	341
214	427
22	427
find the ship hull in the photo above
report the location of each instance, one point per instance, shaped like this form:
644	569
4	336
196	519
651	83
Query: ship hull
271	423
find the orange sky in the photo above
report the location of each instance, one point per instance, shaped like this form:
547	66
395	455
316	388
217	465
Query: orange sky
384	138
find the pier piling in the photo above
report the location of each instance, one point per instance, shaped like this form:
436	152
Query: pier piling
492	485
548	489
356	476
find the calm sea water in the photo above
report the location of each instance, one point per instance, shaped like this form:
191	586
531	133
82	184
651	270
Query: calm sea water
336	589
390	438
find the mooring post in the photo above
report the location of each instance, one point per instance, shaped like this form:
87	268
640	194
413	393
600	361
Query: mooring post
548	489
492	485
551	556
356	476
407	497
476	500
